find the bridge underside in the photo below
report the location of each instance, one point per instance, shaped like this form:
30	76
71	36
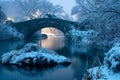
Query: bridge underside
28	28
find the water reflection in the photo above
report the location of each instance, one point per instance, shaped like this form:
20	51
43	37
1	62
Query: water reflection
81	55
74	71
34	72
55	39
6	46
80	61
56	73
53	42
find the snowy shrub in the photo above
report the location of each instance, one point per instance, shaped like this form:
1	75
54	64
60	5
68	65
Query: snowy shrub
112	58
31	47
110	69
102	73
31	55
9	33
82	36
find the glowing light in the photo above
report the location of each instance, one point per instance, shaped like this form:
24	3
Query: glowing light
55	38
11	19
52	31
27	18
36	14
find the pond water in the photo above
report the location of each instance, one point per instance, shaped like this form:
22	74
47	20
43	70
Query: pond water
80	61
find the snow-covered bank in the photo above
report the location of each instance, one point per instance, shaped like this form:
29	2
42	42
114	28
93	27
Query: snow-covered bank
103	73
81	39
82	36
33	55
9	33
110	70
112	58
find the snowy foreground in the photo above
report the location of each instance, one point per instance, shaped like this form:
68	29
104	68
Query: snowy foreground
103	73
110	70
34	56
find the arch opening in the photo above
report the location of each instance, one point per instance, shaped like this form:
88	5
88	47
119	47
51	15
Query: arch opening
55	38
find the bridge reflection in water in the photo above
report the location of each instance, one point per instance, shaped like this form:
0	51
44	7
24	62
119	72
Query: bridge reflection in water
55	39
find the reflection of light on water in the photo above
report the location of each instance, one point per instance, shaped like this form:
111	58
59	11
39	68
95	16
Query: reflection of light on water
55	39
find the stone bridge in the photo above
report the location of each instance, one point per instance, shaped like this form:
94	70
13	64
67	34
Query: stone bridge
28	28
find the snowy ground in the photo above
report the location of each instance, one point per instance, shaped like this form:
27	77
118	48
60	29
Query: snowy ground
110	70
33	55
104	73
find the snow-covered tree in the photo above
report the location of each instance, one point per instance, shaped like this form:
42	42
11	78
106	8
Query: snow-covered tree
37	8
30	9
104	16
3	17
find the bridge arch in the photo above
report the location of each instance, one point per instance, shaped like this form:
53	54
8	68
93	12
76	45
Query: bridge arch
52	31
28	28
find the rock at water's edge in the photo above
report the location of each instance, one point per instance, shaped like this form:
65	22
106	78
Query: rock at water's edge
33	55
